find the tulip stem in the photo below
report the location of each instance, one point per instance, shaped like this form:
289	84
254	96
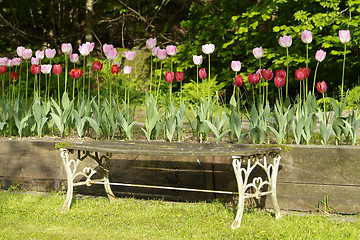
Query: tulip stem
98	89
66	72
307	64
58	80
84	76
287	71
317	65
197	80
158	88
27	79
209	80
323	95
253	90
3	86
343	75
19	84
151	72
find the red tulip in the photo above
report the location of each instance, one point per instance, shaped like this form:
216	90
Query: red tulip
302	73
97	66
238	81
254	78
306	72
169	77
13	76
180	76
321	87
35	69
57	69
202	73
2	69
267	74
75	73
280	73
115	69
279	82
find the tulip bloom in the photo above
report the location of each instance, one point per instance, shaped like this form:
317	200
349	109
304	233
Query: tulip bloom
171	50
50	53
320	55
344	36
39	54
112	54
90	46
10	63
302	73
115	69
3	69
169	76
254	78
97	66
35	61
27	53
180	76
130	55
16	61
74	58
279	81
208	48
321	87
285	41
13	76
46	68
3	61
280	73
258	52
161	54
197	59
267	74
202	73
236	66
151	43
84	49
154	51
19	50
35	69
75	73
107	48
306	36
66	48
57	69
238	81
127	70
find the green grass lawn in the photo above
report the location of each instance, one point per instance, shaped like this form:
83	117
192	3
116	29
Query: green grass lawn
36	216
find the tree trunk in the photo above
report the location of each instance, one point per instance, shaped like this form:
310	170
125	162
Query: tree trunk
89	17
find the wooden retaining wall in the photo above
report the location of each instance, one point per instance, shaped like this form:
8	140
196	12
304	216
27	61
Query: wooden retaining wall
307	174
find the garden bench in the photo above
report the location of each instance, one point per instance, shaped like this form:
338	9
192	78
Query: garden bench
245	159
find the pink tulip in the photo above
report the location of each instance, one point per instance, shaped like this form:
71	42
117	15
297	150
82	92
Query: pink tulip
151	43
74	58
344	36
50	53
154	51
19	50
161	54
306	36
320	55
39	54
236	66
46	68
285	41
258	52
197	59
208	48
107	48
3	61
16	61
10	63
171	50
130	55
35	60
112	54
57	69
90	46
66	48
84	49
127	69
27	53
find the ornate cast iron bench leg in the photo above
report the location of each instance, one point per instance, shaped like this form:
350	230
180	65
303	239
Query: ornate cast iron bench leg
71	173
242	176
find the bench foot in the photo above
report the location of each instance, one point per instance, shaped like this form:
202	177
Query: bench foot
242	176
